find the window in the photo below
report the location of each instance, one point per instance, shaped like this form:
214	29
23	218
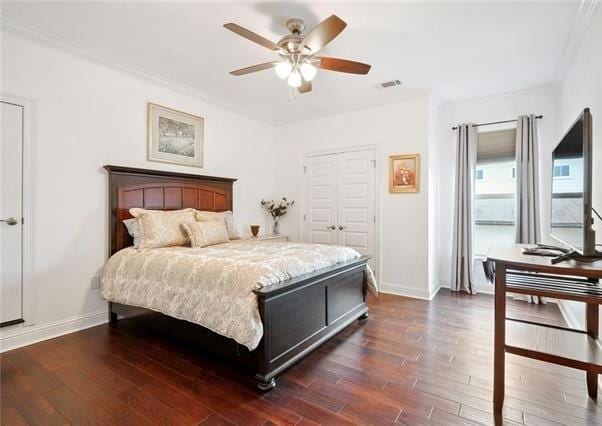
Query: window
562	170
495	197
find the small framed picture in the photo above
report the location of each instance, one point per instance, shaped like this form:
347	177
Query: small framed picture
404	173
174	136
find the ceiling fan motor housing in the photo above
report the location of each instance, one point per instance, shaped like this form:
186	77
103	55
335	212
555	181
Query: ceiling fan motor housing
295	25
292	41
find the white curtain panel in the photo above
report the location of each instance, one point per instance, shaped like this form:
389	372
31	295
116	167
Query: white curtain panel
466	158
527	188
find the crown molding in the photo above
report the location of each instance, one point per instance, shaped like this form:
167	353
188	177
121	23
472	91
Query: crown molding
373	103
575	37
550	87
36	35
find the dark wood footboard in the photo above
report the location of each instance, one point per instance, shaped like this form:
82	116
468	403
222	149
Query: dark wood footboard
298	315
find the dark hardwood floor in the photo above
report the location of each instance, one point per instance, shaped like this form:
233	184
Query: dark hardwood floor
411	362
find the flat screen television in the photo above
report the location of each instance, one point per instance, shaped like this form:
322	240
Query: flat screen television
572	188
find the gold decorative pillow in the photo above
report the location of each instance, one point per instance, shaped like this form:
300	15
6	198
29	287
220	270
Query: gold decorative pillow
203	234
204	216
162	228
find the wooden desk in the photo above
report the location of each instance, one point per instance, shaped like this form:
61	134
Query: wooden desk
535	275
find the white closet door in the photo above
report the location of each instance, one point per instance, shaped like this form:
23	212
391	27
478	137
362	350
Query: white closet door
321	199
11	228
356	201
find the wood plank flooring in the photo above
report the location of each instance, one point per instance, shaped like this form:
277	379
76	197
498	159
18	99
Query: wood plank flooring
412	362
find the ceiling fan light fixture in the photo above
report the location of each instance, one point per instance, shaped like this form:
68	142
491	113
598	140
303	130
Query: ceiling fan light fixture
308	71
294	79
297	63
283	69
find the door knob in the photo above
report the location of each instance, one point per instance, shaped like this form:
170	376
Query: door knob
331	227
10	221
341	227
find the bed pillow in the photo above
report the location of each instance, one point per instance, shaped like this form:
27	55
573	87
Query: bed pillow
203	234
133	230
204	216
137	211
162	228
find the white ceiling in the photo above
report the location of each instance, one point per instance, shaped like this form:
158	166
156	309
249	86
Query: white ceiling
460	49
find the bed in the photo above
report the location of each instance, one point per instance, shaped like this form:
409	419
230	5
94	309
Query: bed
297	314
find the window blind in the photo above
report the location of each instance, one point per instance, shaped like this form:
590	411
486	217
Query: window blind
495	146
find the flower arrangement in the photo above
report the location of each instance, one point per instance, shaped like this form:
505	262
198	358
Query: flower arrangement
277	209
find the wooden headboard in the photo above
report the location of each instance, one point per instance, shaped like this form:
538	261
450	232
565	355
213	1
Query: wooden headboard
160	190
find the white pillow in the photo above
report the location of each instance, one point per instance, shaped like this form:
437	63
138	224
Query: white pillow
138	211
133	230
204	216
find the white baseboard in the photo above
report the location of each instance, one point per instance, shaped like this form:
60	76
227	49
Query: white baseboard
434	292
413	292
28	335
568	314
484	288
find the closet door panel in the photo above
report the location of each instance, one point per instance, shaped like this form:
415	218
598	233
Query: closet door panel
356	227
321	213
11	202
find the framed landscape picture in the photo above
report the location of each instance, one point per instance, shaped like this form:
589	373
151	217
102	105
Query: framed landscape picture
404	173
174	136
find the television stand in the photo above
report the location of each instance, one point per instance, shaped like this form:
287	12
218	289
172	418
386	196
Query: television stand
537	275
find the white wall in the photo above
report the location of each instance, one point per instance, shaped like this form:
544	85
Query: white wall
399	128
496	108
87	114
582	87
434	207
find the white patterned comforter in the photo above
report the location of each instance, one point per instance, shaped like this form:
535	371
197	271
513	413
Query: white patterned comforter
214	286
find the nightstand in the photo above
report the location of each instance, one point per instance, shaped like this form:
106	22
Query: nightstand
270	238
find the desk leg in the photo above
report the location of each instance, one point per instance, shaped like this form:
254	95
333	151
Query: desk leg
591	316
499	350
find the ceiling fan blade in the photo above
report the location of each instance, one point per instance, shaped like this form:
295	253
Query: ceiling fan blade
323	34
254	68
305	87
342	65
250	35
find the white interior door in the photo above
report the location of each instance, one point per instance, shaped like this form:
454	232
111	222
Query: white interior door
340	201
11	205
321	216
356	202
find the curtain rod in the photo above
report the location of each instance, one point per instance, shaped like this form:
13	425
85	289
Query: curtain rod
498	122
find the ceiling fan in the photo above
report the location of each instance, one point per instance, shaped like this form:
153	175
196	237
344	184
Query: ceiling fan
297	63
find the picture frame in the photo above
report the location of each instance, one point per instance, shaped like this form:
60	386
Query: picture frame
404	173
174	136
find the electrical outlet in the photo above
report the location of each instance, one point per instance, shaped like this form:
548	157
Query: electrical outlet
95	282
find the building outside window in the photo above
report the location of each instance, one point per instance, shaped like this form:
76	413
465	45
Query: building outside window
495	197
